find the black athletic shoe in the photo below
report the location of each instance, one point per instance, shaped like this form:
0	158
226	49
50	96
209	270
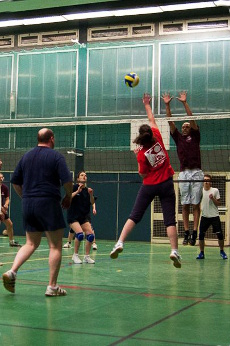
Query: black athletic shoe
192	241
15	244
187	239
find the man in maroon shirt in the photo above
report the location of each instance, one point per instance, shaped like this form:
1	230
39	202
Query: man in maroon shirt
191	175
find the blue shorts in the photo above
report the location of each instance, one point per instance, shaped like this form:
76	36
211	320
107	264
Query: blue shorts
145	196
42	214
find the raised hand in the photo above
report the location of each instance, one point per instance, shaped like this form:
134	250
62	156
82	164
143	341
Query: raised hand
166	98
182	96
146	99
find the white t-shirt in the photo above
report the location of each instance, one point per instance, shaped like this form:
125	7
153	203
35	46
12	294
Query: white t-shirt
208	208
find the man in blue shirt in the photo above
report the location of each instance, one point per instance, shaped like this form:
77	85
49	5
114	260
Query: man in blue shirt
37	180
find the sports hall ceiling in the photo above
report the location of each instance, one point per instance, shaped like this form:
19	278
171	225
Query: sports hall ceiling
22	9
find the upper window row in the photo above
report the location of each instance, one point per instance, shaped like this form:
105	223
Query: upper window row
116	32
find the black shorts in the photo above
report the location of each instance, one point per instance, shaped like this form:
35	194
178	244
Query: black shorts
206	222
6	216
80	219
42	214
147	193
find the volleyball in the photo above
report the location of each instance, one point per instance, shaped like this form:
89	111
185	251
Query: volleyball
131	80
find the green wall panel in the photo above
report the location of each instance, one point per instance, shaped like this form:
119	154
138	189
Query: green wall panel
201	68
46	84
107	93
108	136
5	85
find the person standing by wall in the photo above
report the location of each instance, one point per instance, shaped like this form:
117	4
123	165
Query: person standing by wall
5	201
210	216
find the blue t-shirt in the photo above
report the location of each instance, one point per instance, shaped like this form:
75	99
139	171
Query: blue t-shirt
40	172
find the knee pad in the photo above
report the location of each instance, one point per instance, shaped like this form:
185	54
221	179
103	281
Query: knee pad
201	235
220	235
79	236
71	231
90	237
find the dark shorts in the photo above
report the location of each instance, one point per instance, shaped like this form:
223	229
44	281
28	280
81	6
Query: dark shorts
80	219
145	196
42	214
206	222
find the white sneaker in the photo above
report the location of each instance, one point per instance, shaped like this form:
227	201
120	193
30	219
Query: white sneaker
176	258
9	279
56	291
88	260
5	233
67	245
94	246
76	259
118	247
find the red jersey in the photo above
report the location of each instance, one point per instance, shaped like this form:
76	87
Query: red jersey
154	161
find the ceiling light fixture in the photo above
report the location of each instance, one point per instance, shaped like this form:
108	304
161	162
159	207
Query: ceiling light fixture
115	13
44	20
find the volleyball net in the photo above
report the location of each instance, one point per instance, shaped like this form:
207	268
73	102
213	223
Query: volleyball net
104	149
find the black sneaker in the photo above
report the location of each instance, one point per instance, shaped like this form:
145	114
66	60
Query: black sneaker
14	244
186	240
192	241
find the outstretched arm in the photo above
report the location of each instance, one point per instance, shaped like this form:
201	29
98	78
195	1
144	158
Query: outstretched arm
146	101
90	191
183	99
167	99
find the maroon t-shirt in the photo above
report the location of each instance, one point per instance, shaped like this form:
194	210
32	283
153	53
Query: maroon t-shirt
4	193
188	149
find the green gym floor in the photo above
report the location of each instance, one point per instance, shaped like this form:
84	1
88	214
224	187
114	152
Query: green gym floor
137	299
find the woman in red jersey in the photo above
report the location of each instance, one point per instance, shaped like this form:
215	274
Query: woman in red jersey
155	169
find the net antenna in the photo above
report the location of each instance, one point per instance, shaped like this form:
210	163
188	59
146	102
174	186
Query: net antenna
81	45
72	152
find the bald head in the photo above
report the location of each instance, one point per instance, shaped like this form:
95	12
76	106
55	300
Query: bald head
46	137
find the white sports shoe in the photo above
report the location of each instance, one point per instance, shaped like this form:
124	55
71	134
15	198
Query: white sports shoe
9	279
67	245
176	258
76	259
56	291
94	246
5	233
88	260
118	247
